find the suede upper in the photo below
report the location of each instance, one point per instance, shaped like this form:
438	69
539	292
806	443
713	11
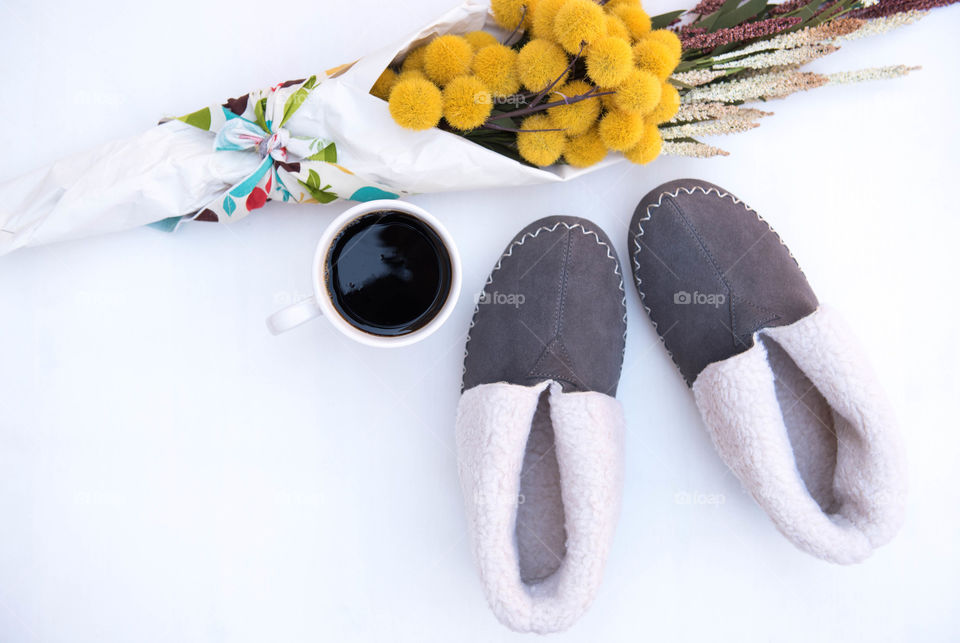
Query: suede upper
711	273
553	309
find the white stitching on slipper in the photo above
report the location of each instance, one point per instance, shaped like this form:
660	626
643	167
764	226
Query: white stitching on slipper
649	213
519	242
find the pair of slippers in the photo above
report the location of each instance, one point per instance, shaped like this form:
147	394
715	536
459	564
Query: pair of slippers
787	398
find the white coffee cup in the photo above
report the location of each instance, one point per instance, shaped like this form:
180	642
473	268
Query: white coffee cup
321	303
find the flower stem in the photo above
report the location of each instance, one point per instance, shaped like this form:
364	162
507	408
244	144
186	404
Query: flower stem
512	129
523	14
543	92
537	108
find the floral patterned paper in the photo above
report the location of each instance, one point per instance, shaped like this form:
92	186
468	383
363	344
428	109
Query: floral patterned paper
300	169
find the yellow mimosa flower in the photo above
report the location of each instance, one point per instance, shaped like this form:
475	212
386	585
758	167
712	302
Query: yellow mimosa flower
466	102
579	22
540	148
386	81
585	149
668	105
496	67
577	117
640	92
539	63
480	39
655	57
621	130
416	103
609	61
647	148
446	58
636	19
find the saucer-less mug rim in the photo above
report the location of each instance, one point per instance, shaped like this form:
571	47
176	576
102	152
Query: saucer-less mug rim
323	295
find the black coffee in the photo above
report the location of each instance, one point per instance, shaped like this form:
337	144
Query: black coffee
389	273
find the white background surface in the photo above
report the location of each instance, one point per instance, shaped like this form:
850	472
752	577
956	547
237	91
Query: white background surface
171	472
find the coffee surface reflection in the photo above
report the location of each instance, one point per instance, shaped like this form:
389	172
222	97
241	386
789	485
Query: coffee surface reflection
389	273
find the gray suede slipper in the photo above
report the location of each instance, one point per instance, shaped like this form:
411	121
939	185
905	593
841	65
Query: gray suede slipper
790	402
539	435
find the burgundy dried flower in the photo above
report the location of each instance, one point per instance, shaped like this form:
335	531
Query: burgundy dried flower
689	31
706	7
889	7
787	7
739	33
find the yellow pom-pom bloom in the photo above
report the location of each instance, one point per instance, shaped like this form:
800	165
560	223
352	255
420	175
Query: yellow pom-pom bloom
480	39
509	13
613	4
577	117
496	67
416	103
540	148
608	100
585	149
532	6
577	22
669	39
616	28
543	17
539	63
446	58
414	60
466	102
654	57
636	19
620	130
609	61
647	148
411	73
386	81
668	105
640	92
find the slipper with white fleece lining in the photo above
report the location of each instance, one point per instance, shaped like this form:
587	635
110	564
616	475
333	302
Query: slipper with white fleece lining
788	399
539	434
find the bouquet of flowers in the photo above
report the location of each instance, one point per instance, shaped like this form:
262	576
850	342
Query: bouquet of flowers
581	79
488	95
578	79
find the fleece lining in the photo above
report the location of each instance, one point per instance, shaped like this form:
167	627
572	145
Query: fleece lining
551	586
802	422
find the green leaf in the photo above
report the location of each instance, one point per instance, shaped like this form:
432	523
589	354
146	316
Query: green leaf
258	108
664	19
708	22
327	154
199	118
507	121
830	13
805	12
325	196
296	99
321	194
749	10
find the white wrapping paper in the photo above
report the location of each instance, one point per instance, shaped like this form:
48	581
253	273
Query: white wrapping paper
173	170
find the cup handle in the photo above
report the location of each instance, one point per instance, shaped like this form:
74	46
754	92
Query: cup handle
294	315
